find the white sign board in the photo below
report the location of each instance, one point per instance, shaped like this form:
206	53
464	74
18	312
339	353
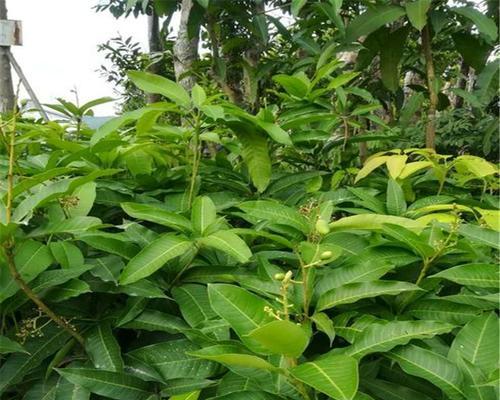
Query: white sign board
10	33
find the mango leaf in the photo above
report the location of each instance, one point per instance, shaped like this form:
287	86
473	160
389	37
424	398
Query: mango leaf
477	342
392	391
374	222
103	348
276	213
431	366
383	337
417	12
296	6
187	396
353	292
194	303
31	259
335	375
151	83
395	198
86	195
342	79
242	310
282	337
484	24
172	360
203	213
409	238
396	164
66	254
371	20
149	212
229	243
442	310
370	165
391	53
293	85
153	257
256	156
474	378
480	275
232	356
9	346
480	235
19	364
113	385
324	324
156	321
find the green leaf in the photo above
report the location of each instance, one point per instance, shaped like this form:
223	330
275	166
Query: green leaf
198	95
371	20
477	342
480	235
324	324
151	83
231	355
31	259
336	376
203	213
194	303
276	213
256	156
86	195
112	243
370	165
152	320
374	222
229	243
430	366
19	364
153	257
9	346
474	378
341	80
191	395
484	24
172	360
395	199
480	275
392	391
442	310
293	85
297	6
282	337
151	213
409	238
66	254
383	337
72	226
353	292
103	348
113	385
242	310
391	53
417	12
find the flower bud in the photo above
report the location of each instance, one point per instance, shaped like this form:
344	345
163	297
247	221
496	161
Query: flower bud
279	276
322	226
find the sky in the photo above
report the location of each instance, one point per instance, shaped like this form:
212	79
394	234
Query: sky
59	51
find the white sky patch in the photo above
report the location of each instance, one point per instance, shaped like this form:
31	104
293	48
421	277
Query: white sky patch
60	47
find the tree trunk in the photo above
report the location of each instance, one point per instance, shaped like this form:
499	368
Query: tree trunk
155	47
462	84
430	132
185	49
7	97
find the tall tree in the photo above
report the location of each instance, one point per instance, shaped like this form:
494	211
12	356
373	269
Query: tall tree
6	86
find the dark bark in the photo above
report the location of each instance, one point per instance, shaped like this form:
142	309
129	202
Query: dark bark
462	84
7	97
185	48
155	47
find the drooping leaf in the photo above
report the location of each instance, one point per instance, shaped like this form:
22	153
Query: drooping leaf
114	385
153	257
103	348
194	303
229	243
384	337
431	366
484	24
157	84
256	156
353	292
417	12
149	212
336	376
10	346
231	355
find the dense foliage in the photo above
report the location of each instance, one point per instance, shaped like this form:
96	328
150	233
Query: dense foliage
192	250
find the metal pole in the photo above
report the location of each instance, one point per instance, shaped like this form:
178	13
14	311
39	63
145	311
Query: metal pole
26	84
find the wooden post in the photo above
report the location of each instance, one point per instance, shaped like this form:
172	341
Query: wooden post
7	97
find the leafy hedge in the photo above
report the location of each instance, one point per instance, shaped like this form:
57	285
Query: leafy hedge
191	266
